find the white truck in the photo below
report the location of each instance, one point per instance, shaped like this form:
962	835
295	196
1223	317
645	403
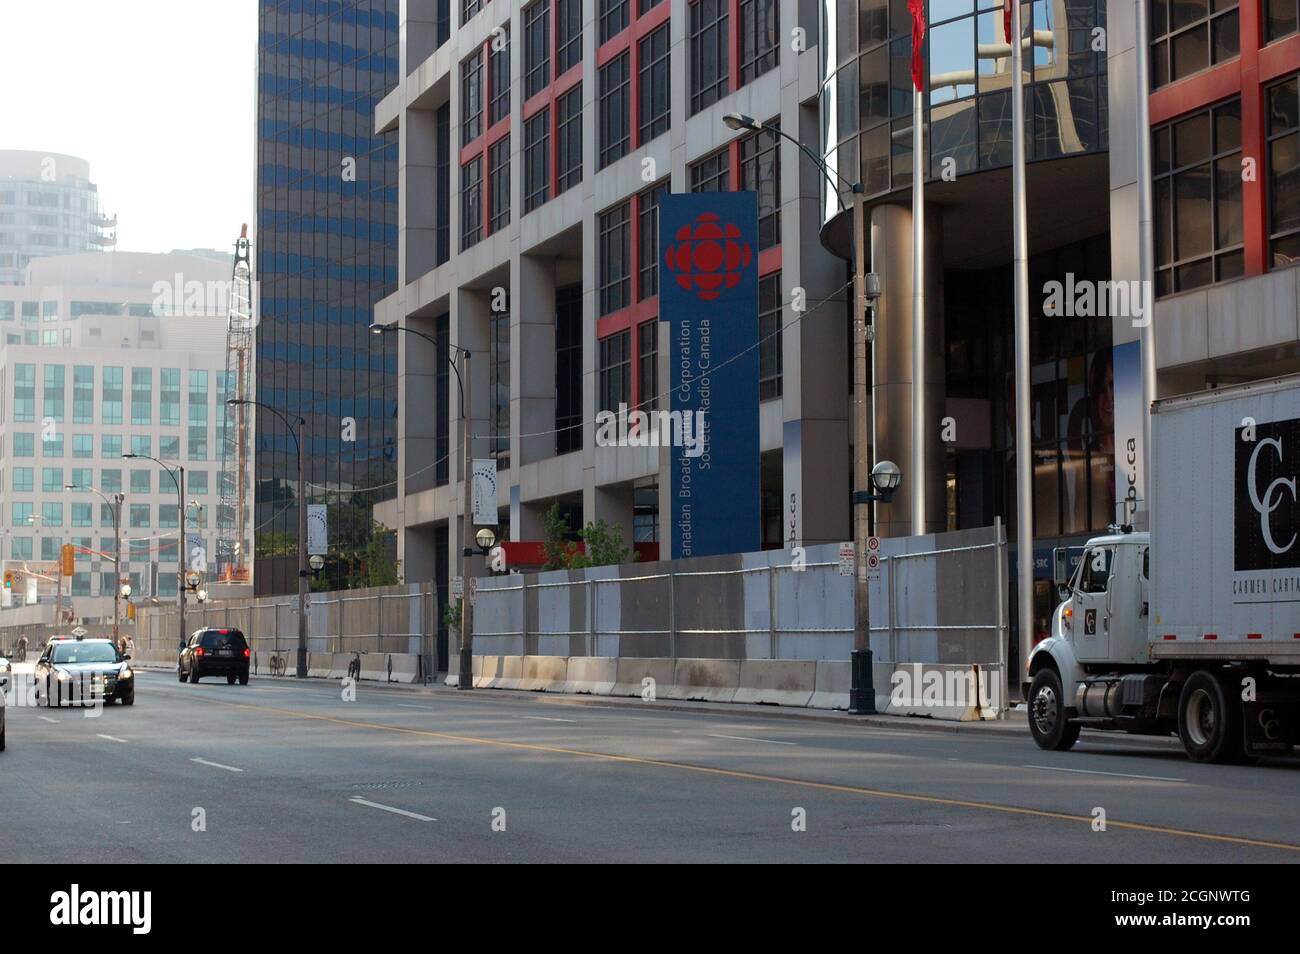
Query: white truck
1193	628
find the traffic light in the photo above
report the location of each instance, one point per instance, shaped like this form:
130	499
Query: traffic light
9	579
69	559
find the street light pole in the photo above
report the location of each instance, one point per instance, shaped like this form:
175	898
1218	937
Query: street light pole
115	507
466	662
177	474
298	439
862	694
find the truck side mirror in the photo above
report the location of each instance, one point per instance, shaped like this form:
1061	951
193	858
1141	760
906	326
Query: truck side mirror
1063	591
1060	563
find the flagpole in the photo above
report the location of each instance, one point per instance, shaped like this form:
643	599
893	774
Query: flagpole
918	272
1020	270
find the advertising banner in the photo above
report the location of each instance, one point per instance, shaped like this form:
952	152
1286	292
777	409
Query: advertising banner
708	293
1130	455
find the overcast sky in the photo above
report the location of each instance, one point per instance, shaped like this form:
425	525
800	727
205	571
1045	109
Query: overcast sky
158	95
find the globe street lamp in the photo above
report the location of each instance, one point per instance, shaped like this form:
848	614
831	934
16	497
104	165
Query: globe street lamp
466	678
862	694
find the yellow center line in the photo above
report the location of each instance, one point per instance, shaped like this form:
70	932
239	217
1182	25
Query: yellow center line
759	777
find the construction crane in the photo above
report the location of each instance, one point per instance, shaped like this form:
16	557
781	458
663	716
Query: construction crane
234	547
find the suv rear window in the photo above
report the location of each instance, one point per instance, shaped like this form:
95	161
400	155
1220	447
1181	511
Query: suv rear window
223	639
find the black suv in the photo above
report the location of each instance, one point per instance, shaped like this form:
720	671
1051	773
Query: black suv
215	652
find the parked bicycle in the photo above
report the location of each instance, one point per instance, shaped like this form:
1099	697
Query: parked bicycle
279	664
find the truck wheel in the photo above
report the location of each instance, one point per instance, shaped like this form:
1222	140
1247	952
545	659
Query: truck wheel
1047	722
1209	722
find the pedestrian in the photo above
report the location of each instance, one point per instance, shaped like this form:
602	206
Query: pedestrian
21	654
129	645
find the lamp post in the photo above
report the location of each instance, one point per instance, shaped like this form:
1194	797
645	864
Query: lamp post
466	678
115	506
177	475
866	289
302	527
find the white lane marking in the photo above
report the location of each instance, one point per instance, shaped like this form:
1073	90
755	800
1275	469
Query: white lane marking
357	800
48	719
111	738
549	719
228	768
1148	778
743	738
407	705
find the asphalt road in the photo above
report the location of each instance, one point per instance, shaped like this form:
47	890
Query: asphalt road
279	771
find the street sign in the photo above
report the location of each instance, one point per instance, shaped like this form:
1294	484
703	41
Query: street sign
873	566
457	587
873	544
846	559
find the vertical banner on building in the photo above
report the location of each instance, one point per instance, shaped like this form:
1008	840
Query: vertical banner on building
708	293
1130	455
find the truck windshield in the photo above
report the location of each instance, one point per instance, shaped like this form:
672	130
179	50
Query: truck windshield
1095	570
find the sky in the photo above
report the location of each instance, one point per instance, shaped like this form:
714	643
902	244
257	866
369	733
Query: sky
158	96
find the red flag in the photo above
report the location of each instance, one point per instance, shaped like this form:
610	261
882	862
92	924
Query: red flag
1006	18
917	9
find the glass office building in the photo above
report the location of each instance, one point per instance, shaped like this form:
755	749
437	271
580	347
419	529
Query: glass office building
326	248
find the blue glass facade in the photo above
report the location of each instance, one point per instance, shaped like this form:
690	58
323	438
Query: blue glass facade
326	253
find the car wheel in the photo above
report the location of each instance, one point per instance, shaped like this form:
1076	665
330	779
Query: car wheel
129	698
243	679
194	674
180	673
1047	722
230	680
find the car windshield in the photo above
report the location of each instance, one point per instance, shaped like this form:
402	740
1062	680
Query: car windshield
84	653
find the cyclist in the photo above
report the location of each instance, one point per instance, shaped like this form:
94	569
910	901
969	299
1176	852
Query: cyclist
20	655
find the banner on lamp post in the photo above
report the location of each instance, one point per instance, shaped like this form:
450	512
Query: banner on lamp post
484	496
318	529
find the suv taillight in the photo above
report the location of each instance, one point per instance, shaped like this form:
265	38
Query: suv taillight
247	653
199	651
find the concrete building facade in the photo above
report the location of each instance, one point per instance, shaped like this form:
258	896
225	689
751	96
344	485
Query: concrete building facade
103	355
48	206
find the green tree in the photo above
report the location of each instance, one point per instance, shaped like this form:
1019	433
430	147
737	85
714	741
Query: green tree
602	545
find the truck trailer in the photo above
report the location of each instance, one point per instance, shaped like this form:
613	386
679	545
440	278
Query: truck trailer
1194	626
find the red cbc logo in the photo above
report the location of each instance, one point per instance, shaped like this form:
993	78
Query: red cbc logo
708	256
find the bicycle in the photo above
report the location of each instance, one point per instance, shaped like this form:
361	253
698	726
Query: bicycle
354	667
279	664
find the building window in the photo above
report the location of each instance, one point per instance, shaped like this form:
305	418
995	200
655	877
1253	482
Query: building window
499	107
198	420
1196	164
760	171
1188	36
710	173
1284	172
24	393
647	356
568	35
139	515
169	397
141	396
537	159
537	47
52	407
648	228
110	480
82	515
52	514
110	446
112	406
655	85
24	444
1281	18
615	132
52	480
83	445
769	337
568	369
613	18
471	98
471	202
568	128
442	185
140	481
23	480
615	274
468	9
760	41
499	158
499	388
83	394
708	45
615	371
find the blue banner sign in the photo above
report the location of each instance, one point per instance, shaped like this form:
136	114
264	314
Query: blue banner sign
708	294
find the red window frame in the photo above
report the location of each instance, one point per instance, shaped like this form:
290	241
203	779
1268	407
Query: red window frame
1250	73
550	97
642	308
482	145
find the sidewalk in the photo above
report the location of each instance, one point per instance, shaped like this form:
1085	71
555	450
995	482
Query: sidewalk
1013	726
